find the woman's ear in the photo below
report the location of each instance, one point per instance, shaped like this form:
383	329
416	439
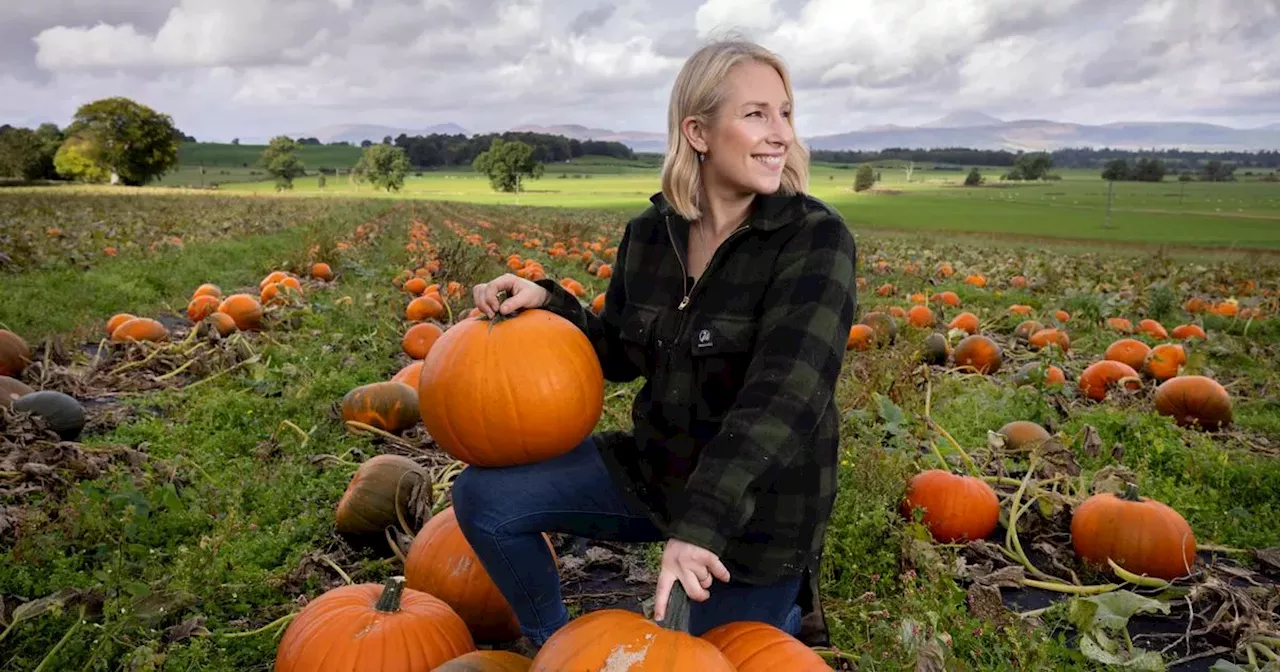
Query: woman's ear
695	134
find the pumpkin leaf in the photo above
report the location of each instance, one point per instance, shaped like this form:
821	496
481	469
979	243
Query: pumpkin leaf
1110	611
1221	665
1100	648
890	414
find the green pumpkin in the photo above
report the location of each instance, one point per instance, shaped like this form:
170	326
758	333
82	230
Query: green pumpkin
62	412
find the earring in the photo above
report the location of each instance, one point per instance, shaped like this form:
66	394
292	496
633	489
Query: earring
701	157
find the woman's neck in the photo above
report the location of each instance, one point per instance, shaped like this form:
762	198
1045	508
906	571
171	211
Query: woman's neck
724	210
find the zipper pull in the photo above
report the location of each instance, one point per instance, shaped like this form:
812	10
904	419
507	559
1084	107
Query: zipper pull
683	303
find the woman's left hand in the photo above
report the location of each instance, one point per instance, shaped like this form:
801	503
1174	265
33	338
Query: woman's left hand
693	566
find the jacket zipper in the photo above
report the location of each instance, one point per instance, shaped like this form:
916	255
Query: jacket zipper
684	272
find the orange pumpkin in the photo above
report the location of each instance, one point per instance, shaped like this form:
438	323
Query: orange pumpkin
1061	316
1026	329
366	626
1046	337
425	307
441	562
1020	309
1023	434
1153	329
887	289
274	276
955	507
1194	401
140	329
389	406
410	374
511	390
1029	374
208	289
1189	331
415	286
1164	360
15	354
597	304
117	320
976	279
1141	535
245	309
920	316
898	312
948	297
752	646
619	639
419	338
1120	324
1100	377
861	337
222	322
487	661
380	488
201	307
979	352
1128	351
321	271
966	321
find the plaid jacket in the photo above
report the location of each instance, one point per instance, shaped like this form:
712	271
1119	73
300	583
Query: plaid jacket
735	438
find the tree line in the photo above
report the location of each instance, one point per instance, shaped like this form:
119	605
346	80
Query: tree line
439	150
1174	160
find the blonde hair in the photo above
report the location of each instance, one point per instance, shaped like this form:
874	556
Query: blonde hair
697	92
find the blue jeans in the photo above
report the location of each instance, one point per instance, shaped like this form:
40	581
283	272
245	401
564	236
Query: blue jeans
504	511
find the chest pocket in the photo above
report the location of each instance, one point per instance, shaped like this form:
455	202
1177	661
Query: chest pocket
720	350
637	335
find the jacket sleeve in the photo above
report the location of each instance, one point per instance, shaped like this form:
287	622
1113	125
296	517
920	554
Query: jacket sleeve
799	351
602	330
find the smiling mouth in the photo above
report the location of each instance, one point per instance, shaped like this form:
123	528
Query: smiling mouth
769	160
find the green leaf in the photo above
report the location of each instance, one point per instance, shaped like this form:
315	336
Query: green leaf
891	414
1110	611
1108	652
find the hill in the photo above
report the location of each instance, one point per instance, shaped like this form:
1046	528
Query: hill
225	155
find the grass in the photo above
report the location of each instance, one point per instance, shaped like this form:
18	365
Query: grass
221	530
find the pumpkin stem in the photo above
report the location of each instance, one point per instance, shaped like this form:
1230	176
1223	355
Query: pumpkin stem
389	601
1130	493
677	618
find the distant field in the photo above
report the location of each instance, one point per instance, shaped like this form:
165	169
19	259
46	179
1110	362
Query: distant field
1243	214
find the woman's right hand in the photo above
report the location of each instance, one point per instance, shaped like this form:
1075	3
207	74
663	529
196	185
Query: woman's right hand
521	294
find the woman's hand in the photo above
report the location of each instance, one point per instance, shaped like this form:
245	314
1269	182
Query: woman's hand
693	566
521	293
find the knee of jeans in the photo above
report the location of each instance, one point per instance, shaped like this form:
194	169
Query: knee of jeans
470	495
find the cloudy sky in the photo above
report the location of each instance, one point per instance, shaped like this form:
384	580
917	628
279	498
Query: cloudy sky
254	68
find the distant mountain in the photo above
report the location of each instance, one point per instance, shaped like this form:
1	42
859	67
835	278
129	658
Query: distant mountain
963	120
1272	127
357	133
640	141
1041	134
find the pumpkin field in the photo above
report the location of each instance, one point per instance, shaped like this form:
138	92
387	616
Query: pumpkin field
224	445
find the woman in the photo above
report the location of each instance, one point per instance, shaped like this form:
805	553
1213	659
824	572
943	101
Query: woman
732	295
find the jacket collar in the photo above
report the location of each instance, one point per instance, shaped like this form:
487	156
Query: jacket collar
769	211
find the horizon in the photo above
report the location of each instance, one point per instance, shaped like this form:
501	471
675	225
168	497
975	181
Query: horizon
251	68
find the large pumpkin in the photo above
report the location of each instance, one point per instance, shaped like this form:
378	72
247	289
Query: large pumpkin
752	646
979	352
1023	435
1194	401
389	406
140	329
1046	337
1164	360
380	488
367	626
442	563
245	309
885	326
487	661
15	354
1129	351
511	390
966	321
11	389
1100	377
955	507
617	639
59	410
1141	535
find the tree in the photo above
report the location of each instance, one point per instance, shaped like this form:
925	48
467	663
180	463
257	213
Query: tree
505	162
132	142
235	141
1033	166
974	178
281	161
74	161
28	154
864	178
384	166
1116	169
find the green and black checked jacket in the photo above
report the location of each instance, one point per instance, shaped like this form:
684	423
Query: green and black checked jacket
735	439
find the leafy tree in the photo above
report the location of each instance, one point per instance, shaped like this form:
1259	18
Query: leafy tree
1149	170
75	161
974	178
384	166
281	161
365	143
864	178
1217	171
132	142
1116	169
1032	166
28	154
235	141
506	162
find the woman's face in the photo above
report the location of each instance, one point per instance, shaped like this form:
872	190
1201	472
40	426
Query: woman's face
747	142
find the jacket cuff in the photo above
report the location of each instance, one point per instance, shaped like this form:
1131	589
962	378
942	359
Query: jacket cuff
700	522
